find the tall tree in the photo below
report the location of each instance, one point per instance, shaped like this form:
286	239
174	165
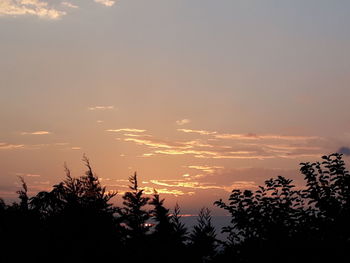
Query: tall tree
203	238
133	213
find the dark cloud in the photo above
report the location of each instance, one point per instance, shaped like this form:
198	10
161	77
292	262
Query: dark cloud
344	150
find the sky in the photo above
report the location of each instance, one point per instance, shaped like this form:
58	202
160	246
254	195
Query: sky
198	96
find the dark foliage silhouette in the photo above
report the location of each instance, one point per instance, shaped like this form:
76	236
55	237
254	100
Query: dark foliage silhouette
169	234
76	221
203	241
313	222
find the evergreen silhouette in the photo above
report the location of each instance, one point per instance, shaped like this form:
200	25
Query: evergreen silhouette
203	242
134	218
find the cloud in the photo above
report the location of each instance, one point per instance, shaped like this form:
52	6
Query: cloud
28	174
126	130
105	2
236	150
36	133
94	108
32	175
7	146
228	146
201	132
156	143
205	186
253	136
181	183
241	185
344	150
150	190
182	122
121	187
205	168
75	148
70	5
29	7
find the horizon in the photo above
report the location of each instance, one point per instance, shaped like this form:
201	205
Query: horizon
198	97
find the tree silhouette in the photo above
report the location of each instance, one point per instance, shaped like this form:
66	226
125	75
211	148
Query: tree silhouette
164	234
164	227
22	195
76	215
180	234
328	196
264	220
203	238
132	213
76	221
134	218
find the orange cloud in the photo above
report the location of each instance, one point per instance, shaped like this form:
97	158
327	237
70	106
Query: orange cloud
201	132
70	5
183	122
126	130
36	133
185	184
207	169
105	2
7	146
29	7
253	136
241	185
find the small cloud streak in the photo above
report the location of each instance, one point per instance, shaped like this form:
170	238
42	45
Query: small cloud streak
29	7
36	133
205	168
253	136
32	175
241	185
101	108
126	130
175	192
201	132
70	5
105	2
7	146
28	175
76	148
183	122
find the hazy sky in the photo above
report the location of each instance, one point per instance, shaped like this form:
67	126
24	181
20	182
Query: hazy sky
197	96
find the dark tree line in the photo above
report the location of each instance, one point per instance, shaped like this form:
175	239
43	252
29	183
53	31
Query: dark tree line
76	221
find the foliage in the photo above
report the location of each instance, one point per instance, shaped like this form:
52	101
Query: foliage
133	214
203	238
76	221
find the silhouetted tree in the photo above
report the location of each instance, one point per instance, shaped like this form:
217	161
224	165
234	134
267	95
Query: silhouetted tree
133	214
328	196
163	236
134	218
164	227
22	195
180	234
77	217
203	238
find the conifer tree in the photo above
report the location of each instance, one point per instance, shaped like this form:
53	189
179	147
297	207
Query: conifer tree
133	214
180	230
164	227
203	238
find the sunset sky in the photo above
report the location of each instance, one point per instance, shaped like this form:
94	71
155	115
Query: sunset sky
197	96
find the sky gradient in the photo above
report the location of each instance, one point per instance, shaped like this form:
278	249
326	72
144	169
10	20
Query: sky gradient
197	96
